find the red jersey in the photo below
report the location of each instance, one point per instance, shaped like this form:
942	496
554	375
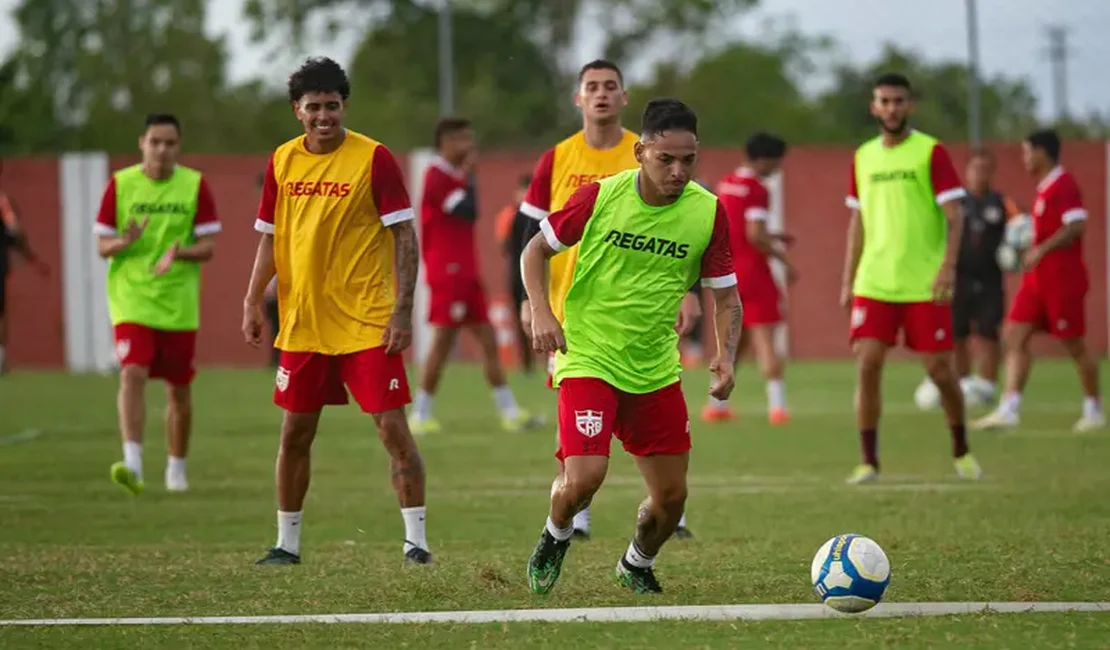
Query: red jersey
447	222
745	199
1058	203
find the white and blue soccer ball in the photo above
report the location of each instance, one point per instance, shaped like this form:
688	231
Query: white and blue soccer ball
926	395
1017	239
977	392
850	573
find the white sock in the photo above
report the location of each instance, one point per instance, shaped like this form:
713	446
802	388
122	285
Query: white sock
422	405
561	534
682	521
718	403
414	527
1011	403
637	558
289	532
506	403
176	466
776	394
582	520
133	456
1092	407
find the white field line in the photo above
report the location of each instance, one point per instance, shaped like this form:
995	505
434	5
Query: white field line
597	614
26	435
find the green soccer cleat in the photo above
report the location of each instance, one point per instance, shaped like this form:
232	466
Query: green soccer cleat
863	473
125	478
640	581
424	426
546	563
968	468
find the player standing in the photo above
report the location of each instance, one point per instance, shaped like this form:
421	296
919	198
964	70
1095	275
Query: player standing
336	224
643	237
748	202
12	237
448	212
903	244
156	226
1053	287
601	149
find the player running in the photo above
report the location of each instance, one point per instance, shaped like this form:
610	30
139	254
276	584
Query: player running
448	211
747	202
336	226
156	225
1053	287
643	237
903	244
601	149
12	237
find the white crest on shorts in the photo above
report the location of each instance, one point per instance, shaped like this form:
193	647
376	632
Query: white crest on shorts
282	379
123	347
1038	208
940	334
458	311
588	423
394	384
859	314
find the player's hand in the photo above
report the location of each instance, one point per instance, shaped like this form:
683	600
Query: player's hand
786	238
135	230
945	284
547	334
526	318
846	296
1032	257
791	273
166	261
723	379
688	314
252	324
398	333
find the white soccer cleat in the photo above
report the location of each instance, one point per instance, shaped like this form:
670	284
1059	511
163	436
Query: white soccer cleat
998	419
176	482
1090	423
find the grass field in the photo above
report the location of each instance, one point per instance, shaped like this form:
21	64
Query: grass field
762	500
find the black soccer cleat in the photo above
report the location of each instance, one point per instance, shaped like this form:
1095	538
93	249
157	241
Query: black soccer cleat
546	563
683	533
581	534
279	556
641	581
417	555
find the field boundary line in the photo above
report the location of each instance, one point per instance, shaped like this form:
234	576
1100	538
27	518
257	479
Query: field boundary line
26	435
780	612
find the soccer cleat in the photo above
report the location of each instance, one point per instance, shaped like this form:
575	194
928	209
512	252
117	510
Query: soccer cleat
968	468
863	473
278	556
997	419
712	413
417	555
522	421
424	426
546	563
176	481
126	478
1089	423
581	534
778	416
682	532
641	581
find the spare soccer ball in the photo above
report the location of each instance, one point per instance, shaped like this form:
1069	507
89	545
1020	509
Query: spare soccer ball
1008	257
927	397
1019	232
850	573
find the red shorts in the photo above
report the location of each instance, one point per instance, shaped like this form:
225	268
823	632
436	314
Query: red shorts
165	354
457	303
591	412
761	300
1060	313
925	326
307	381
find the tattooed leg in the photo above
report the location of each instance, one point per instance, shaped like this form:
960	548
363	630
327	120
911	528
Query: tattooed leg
661	511
407	467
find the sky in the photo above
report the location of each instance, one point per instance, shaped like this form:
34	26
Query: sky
1013	35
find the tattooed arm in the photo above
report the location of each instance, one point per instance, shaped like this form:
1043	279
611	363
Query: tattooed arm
398	335
728	318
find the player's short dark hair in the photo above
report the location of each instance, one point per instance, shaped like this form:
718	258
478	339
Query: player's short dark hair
661	115
893	80
318	74
601	64
1047	141
157	119
448	125
765	146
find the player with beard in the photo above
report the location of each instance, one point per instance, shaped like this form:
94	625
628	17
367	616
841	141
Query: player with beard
899	273
601	149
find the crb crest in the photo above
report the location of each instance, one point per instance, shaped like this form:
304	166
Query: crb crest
282	379
123	348
588	423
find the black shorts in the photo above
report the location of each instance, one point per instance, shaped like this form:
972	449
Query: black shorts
978	307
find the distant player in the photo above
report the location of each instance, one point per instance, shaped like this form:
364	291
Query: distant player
1053	287
601	149
748	204
903	245
979	303
12	237
157	224
511	224
336	224
643	237
448	212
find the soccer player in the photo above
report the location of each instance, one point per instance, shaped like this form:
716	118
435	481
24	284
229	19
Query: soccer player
511	225
601	149
903	244
156	225
643	236
448	211
979	302
747	202
1053	287
336	224
12	237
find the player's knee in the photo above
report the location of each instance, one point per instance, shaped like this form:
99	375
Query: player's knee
580	486
133	375
1017	337
939	369
394	431
181	397
296	435
673	499
1076	348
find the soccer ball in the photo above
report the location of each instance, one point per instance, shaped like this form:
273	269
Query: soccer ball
927	397
1019	232
1008	257
977	392
850	573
